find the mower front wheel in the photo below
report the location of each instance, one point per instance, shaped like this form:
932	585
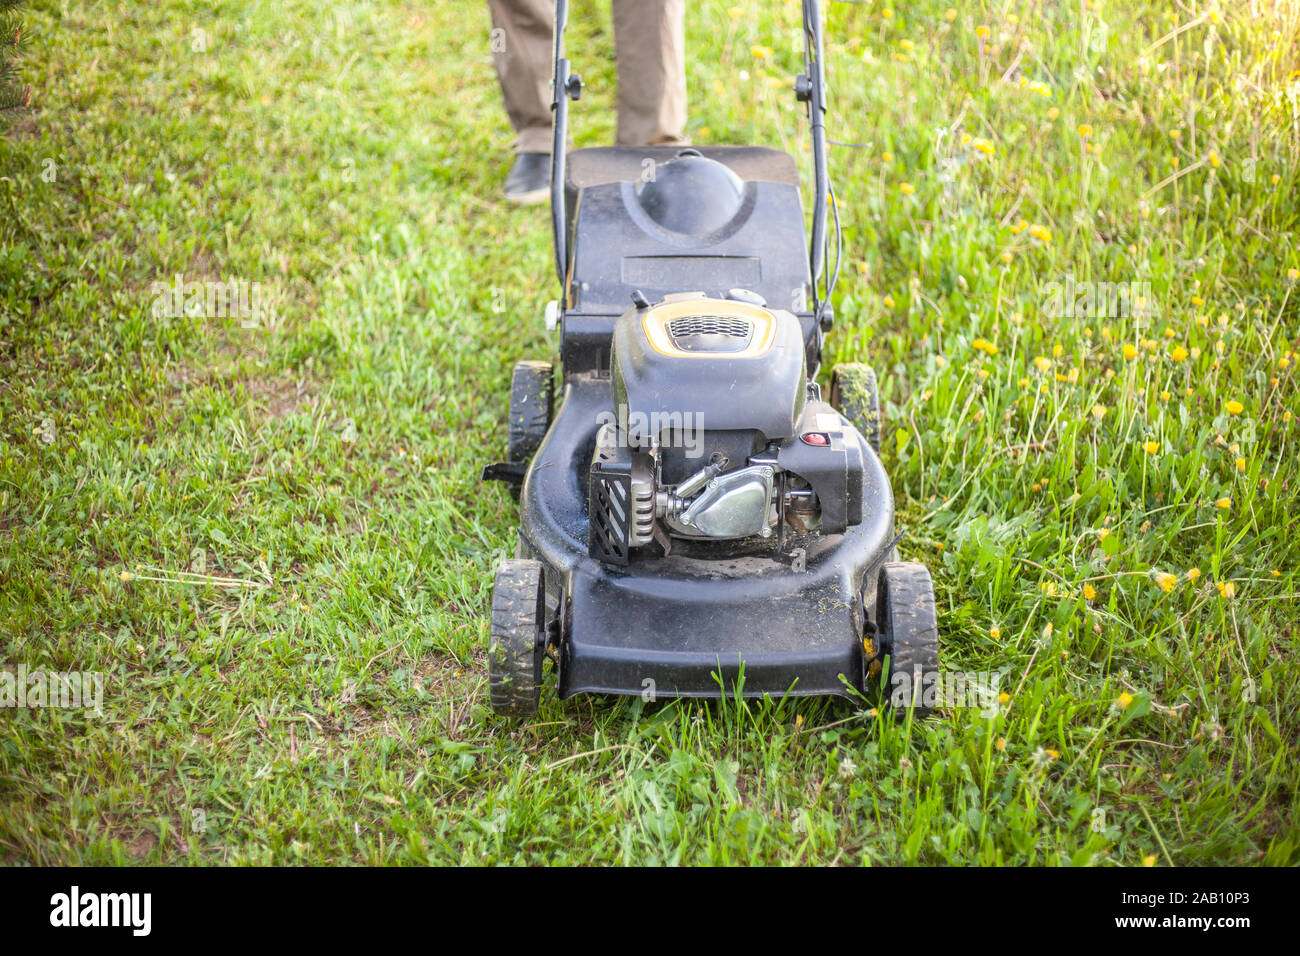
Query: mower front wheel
517	638
908	635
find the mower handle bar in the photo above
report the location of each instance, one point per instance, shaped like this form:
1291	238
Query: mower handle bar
810	88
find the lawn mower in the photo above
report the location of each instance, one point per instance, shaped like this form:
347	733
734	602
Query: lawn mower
696	519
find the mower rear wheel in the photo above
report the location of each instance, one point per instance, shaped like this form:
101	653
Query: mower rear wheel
856	395
908	634
530	409
517	638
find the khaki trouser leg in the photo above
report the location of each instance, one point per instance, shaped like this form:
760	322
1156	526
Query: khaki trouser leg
521	51
650	44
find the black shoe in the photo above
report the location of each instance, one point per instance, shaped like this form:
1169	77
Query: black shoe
529	181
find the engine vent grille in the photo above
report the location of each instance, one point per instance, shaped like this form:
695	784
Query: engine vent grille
609	529
711	333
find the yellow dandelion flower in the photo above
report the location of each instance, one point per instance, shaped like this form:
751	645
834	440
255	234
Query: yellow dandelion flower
995	632
1053	754
1234	407
1001	744
1225	503
982	32
1123	700
1041	233
1089	592
1099	412
1052	114
1193	574
906	188
1085	130
1152	447
984	146
1166	581
1227	590
1293	274
1214	159
1149	860
1042	363
889	301
760	52
1241	464
1004	698
1130	351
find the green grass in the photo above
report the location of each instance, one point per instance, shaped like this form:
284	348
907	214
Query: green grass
273	543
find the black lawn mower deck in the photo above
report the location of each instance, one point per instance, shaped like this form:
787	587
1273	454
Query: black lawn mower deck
699	612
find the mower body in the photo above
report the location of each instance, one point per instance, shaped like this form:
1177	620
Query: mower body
695	520
787	606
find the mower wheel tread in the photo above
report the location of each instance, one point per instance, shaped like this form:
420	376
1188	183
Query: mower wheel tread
530	409
909	633
516	643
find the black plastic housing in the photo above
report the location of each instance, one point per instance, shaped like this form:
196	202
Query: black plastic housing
715	392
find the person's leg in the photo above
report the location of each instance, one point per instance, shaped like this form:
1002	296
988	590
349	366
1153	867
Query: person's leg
521	51
650	43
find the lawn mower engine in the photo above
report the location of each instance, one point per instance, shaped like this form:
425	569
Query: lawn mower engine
716	433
